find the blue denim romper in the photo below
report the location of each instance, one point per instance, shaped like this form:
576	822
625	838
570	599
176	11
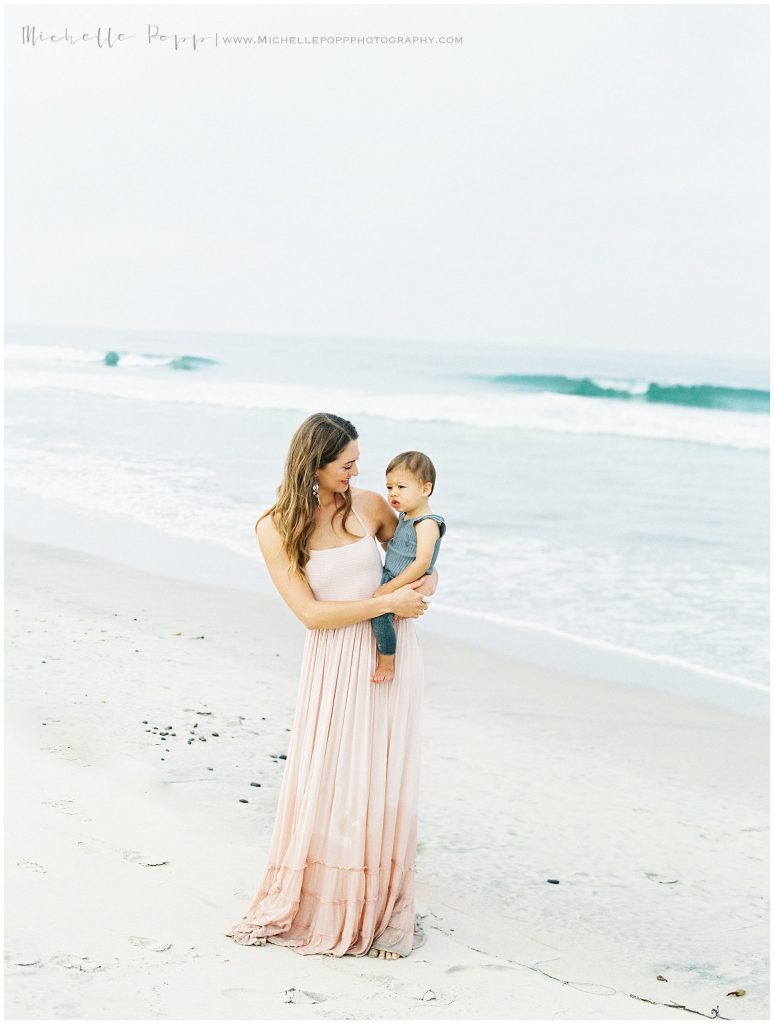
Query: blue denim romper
401	552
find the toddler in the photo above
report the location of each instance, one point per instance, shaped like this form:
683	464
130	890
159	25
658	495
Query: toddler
413	549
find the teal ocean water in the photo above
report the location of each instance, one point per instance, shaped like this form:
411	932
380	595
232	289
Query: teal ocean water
615	501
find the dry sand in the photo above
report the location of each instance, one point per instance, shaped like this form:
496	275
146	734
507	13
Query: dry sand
128	855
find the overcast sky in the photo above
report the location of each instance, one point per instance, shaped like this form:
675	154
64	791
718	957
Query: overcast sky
573	176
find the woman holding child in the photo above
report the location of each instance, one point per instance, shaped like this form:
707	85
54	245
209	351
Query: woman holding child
340	872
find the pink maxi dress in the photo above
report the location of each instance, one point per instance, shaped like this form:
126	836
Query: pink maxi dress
341	863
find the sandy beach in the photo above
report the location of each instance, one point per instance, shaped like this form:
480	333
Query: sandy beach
587	849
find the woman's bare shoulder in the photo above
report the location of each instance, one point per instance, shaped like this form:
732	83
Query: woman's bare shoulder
368	500
266	530
374	508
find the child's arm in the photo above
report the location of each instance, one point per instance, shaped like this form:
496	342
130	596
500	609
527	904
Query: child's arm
428	532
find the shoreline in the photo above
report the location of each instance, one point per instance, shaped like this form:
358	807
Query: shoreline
52	522
129	854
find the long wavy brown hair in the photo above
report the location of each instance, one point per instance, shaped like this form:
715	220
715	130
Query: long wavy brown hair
318	441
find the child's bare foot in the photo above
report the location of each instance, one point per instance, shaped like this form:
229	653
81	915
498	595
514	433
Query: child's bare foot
385	669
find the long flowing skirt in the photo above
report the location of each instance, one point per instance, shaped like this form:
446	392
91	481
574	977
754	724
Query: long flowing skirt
341	864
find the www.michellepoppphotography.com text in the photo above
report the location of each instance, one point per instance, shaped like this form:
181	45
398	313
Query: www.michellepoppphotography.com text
109	38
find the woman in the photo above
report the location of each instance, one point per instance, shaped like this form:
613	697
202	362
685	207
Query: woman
340	873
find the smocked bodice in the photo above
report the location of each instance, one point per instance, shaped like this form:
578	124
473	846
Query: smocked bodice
349	572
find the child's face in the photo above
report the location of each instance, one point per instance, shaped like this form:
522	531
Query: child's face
404	491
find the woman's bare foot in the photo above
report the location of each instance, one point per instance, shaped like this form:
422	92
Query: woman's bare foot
385	669
385	954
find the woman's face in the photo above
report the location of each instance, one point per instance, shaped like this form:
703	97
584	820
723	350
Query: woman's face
336	475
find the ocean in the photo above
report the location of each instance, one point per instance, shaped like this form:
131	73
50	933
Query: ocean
613	505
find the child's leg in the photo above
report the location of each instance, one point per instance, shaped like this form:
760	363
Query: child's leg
384	631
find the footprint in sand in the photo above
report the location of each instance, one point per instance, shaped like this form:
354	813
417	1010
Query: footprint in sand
30	865
65	753
73	962
146	861
336	1014
21	960
298	995
478	967
64	806
68	807
100	848
153	944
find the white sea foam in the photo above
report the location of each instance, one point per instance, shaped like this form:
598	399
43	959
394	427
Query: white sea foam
565	414
534	581
68	354
51	354
158	493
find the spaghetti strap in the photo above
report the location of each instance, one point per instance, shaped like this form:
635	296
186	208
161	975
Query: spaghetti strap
368	532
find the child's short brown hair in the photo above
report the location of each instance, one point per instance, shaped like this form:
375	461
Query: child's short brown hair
418	464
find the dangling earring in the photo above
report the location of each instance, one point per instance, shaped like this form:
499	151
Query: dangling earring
315	492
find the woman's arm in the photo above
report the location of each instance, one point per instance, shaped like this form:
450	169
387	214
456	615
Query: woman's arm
383	515
297	594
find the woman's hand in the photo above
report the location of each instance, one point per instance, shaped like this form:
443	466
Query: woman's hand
408	603
425	585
